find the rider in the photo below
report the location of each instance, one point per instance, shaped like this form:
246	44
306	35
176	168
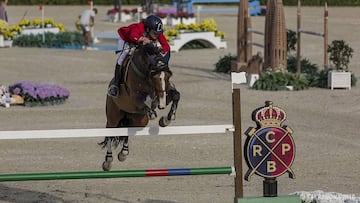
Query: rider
145	32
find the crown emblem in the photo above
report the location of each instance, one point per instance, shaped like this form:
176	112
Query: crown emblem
269	115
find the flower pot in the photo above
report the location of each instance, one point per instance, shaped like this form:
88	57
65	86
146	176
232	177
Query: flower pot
8	43
339	79
174	21
1	41
189	20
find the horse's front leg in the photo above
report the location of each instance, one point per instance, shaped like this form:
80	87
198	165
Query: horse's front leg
152	113
174	97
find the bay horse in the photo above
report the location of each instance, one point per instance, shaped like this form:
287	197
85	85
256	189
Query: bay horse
145	86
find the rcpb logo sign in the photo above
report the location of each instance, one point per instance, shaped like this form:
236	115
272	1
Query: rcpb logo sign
269	148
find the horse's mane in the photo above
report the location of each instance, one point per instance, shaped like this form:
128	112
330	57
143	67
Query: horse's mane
150	49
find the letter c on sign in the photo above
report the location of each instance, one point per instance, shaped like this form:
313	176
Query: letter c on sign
268	138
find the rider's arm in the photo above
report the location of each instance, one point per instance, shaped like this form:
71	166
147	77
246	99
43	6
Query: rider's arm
164	44
136	34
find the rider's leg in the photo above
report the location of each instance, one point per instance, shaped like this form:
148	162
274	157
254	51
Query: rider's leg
123	47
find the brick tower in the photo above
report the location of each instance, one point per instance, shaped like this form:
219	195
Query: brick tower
244	52
275	37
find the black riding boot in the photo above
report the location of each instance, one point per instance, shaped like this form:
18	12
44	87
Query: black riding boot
113	90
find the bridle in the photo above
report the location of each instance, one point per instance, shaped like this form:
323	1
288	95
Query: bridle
156	67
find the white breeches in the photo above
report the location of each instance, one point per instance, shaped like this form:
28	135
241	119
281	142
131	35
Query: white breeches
124	49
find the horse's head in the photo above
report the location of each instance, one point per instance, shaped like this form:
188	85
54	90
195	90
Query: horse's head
157	70
161	80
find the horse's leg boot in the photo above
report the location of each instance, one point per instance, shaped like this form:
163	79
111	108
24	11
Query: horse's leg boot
113	90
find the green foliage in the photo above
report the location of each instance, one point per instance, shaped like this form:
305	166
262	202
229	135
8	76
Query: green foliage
59	40
319	79
275	81
306	66
308	69
353	79
340	54
224	64
291	40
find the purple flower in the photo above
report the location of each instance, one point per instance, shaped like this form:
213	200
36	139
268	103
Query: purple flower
39	92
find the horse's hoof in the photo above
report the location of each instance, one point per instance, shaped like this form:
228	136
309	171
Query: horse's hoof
108	158
121	156
106	165
163	122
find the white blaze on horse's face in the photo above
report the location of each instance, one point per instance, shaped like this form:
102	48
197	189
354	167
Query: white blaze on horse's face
162	98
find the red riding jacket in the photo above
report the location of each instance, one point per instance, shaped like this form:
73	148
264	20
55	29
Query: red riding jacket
134	32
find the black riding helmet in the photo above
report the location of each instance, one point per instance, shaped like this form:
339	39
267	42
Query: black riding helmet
154	23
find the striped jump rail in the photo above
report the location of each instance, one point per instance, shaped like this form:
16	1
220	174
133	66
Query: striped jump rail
230	170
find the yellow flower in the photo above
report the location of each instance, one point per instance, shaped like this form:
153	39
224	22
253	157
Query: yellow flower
195	27
60	26
181	26
49	21
3	26
37	22
24	22
208	24
16	29
8	34
172	32
220	34
168	38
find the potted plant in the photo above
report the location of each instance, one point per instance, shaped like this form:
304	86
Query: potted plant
340	55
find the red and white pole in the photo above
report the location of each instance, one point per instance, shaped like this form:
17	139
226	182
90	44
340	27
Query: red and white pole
42	9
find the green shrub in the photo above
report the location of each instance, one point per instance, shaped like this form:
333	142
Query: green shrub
340	54
275	81
224	64
353	79
59	40
291	40
319	79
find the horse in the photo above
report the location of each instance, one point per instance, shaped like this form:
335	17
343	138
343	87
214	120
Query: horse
145	86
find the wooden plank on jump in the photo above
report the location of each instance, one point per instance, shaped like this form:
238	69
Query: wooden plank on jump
254	44
255	31
112	132
322	34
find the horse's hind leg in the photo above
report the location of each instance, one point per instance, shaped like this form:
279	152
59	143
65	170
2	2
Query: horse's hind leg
108	157
114	118
132	120
174	96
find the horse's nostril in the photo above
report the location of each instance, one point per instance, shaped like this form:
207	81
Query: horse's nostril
161	108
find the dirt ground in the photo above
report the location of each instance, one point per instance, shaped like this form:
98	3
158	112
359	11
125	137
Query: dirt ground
325	122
